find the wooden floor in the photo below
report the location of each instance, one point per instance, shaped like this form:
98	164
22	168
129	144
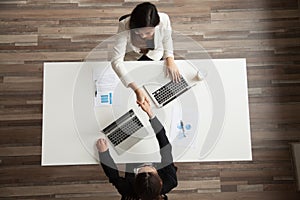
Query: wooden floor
265	32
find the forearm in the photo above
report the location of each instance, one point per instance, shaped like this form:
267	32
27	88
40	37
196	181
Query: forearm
109	166
133	86
163	141
118	54
110	169
159	132
137	90
167	38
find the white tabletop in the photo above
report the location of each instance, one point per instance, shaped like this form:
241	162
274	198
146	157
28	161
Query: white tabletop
216	108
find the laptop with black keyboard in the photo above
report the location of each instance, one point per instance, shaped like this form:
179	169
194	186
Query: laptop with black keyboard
125	132
162	91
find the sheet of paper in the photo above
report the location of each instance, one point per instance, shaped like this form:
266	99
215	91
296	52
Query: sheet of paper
105	84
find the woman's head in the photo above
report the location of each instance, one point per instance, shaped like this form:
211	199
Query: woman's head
148	184
144	15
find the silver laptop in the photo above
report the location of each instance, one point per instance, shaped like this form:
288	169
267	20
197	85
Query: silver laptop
125	132
162	90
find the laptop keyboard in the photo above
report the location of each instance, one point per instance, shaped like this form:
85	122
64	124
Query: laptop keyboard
124	131
170	91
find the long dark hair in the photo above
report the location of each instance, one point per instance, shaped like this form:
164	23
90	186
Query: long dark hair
144	15
148	186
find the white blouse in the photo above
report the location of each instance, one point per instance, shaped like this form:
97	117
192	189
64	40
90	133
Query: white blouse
163	46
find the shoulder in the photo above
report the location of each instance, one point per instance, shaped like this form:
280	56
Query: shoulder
125	186
124	23
169	178
163	17
165	22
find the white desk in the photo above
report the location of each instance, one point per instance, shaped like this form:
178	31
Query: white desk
219	119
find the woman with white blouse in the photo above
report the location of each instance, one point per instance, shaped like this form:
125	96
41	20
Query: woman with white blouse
145	34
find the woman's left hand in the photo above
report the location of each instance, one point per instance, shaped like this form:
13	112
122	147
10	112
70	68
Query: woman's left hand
102	145
172	70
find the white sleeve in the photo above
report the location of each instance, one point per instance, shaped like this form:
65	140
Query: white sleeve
167	37
119	51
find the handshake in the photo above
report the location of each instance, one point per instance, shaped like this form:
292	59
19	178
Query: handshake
145	105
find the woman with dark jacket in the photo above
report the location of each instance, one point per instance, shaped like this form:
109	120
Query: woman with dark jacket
147	182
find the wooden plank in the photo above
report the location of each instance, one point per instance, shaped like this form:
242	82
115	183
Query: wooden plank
198	185
20	151
19	39
44	56
22	175
21	69
59	13
55	190
22	135
238	195
255	15
21	117
70	31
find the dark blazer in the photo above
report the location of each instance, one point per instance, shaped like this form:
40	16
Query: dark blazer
166	169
